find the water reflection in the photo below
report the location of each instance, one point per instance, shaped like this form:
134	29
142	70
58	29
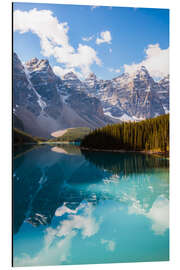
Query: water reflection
92	200
125	163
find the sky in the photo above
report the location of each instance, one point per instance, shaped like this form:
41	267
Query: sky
105	40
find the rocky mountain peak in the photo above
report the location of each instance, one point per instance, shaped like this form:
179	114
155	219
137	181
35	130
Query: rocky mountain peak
91	80
70	76
37	65
32	62
142	73
165	79
17	66
45	103
91	76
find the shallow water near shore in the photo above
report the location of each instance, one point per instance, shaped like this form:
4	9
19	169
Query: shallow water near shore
82	207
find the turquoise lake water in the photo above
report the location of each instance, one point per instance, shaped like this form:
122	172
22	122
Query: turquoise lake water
73	207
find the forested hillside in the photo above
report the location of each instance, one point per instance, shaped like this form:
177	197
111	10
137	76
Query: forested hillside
20	137
73	134
150	134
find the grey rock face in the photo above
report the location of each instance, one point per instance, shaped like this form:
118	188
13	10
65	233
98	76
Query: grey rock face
77	97
129	97
24	94
45	103
163	92
46	84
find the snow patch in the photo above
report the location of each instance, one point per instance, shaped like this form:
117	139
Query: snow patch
124	117
166	110
41	103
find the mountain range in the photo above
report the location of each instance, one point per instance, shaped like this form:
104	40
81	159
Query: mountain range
44	103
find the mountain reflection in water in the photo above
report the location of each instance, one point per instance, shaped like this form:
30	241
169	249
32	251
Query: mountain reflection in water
96	197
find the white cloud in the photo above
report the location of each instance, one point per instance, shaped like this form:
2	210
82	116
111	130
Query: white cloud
93	7
156	62
57	241
88	38
105	37
51	255
110	245
54	40
59	71
65	210
158	214
84	222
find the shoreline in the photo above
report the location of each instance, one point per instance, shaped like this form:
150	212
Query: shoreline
150	152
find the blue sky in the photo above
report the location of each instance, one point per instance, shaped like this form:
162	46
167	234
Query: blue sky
131	37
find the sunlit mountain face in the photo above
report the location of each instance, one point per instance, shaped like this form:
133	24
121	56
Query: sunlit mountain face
114	207
52	103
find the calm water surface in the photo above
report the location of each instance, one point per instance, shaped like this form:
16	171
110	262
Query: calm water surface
73	207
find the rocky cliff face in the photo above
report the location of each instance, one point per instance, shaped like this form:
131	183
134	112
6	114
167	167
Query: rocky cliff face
163	93
131	97
45	103
23	92
46	84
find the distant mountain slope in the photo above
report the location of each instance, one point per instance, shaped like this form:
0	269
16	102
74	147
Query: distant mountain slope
44	103
131	97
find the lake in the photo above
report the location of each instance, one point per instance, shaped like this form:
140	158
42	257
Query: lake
80	207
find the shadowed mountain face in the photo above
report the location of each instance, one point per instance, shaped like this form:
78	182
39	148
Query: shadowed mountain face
44	103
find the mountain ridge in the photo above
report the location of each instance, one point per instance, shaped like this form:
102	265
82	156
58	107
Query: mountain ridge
46	103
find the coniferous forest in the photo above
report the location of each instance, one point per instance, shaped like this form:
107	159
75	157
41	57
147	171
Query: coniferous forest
147	135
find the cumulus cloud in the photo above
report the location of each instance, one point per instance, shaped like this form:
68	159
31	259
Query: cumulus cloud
59	71
57	241
105	37
88	38
54	40
156	61
158	214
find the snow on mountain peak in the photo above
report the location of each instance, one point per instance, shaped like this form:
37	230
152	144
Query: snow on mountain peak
37	65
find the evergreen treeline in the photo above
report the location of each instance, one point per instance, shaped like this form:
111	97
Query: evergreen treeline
150	134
